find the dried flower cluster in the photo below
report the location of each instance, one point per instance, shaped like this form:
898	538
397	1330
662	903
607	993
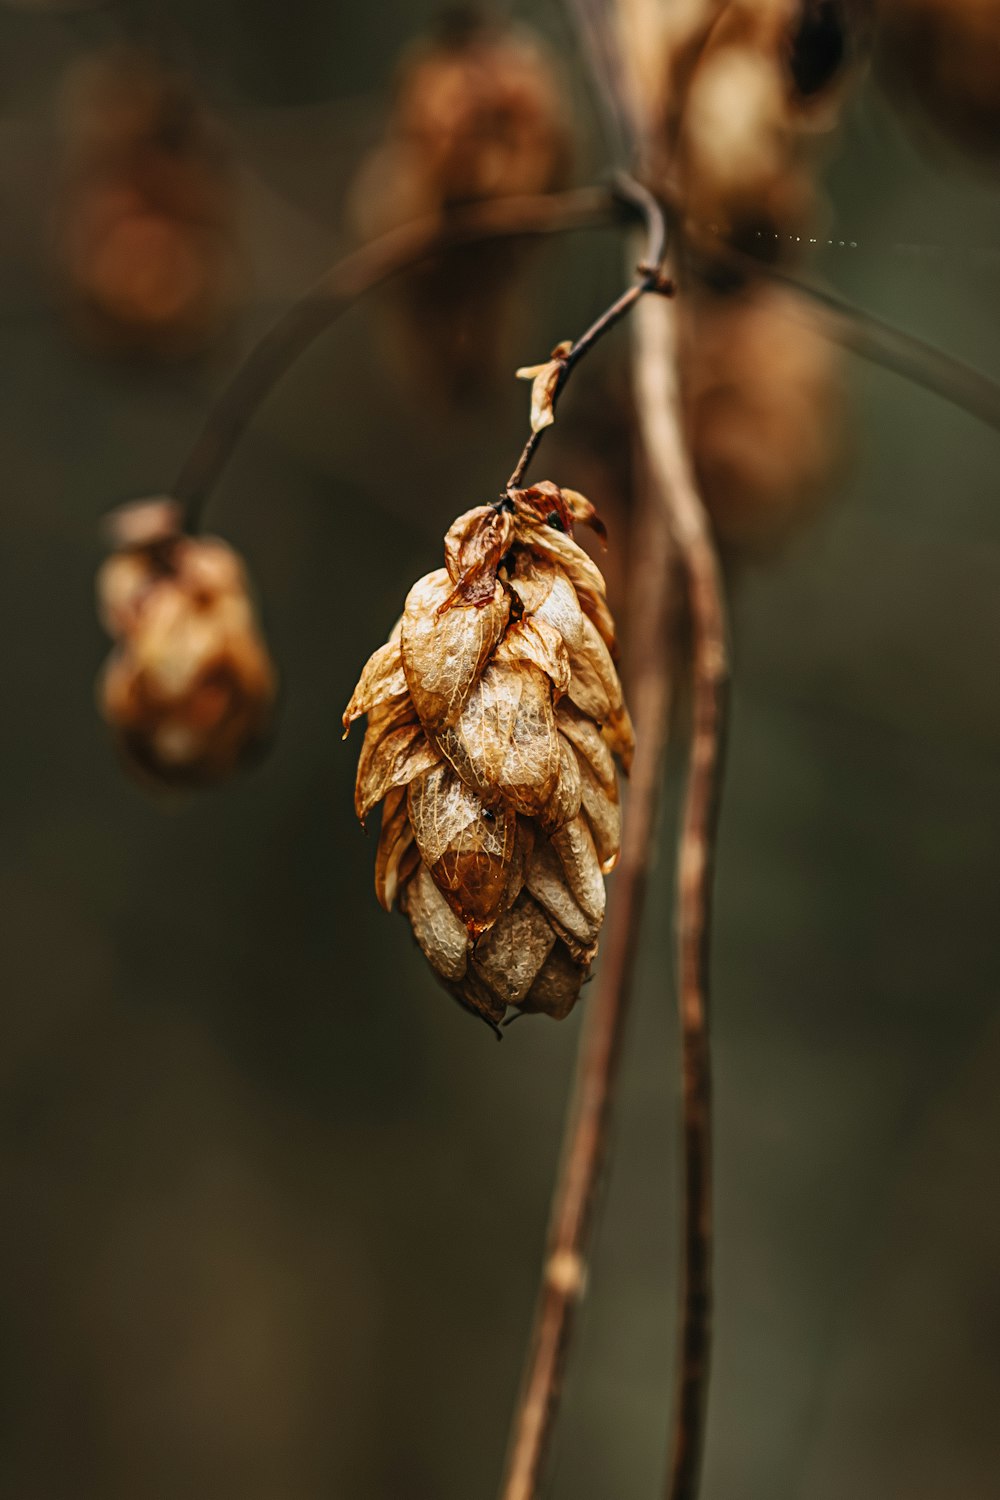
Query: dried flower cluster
145	225
494	713
189	686
478	114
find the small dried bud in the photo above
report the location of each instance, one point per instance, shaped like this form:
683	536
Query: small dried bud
189	686
145	233
494	713
764	410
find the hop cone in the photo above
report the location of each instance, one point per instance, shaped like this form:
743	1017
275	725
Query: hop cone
494	713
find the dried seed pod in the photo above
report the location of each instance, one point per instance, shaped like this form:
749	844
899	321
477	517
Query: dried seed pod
478	114
764	411
145	227
494	712
189	687
943	56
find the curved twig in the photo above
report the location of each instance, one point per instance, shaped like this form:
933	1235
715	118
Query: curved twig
659	416
632	195
585	1147
350	278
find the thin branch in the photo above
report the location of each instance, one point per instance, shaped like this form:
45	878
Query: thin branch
353	276
633	195
585	1147
879	342
659	416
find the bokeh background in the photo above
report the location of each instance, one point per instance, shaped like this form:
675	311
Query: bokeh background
272	1207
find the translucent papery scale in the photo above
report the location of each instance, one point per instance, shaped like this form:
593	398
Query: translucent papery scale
493	712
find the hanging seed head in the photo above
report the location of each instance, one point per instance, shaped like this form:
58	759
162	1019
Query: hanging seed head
764	410
479	113
189	686
494	715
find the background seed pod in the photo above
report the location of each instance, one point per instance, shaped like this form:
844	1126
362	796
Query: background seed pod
478	113
764	407
144	230
189	687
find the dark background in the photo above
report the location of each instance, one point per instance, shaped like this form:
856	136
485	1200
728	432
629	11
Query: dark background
273	1207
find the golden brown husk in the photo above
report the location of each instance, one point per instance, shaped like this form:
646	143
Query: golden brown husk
494	713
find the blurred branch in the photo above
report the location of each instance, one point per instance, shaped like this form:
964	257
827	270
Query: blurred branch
660	423
586	1144
881	343
357	273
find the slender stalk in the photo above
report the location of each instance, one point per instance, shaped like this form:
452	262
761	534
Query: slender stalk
651	279
350	278
659	416
586	1144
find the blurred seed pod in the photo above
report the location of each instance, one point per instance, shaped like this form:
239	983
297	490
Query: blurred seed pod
145	231
494	715
744	175
189	687
764	408
942	58
478	113
751	87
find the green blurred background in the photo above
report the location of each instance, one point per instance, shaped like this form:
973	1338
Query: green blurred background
273	1208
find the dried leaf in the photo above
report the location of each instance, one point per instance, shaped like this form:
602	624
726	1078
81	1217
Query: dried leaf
584	513
620	736
582	572
557	988
560	610
446	644
546	380
437	929
603	813
594	687
390	758
382	682
510	955
473	547
565	801
533	640
546	880
395	841
574	845
589	742
504	744
467	847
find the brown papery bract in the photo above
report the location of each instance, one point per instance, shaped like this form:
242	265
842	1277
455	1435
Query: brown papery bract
494	714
